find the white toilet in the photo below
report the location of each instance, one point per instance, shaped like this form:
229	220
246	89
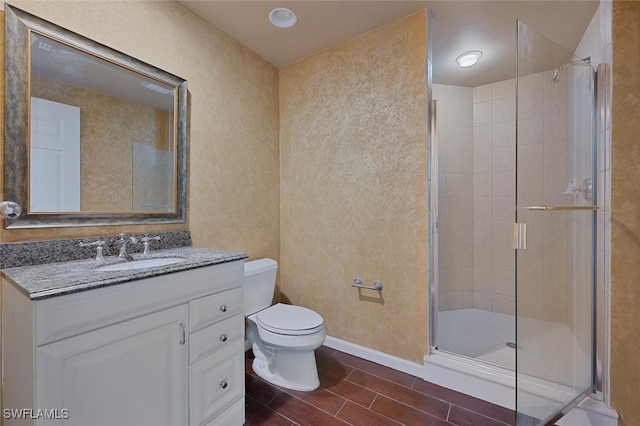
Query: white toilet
283	337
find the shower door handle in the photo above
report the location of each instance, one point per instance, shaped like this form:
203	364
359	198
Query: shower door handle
519	236
544	208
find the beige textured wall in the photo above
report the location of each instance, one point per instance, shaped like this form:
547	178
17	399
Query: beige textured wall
233	95
354	187
625	213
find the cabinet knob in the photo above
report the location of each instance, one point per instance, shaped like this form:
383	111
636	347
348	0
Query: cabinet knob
223	308
223	337
224	384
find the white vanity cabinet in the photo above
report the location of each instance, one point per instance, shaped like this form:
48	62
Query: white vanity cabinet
166	350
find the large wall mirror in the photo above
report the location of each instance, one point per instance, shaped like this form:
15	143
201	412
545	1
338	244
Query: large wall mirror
92	136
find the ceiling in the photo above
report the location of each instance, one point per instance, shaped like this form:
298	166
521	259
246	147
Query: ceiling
457	26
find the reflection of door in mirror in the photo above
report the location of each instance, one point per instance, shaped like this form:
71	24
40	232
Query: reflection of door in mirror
55	157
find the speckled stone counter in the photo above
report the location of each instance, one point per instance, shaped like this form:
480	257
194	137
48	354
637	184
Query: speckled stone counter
28	253
56	279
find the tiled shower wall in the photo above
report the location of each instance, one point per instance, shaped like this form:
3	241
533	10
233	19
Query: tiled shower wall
544	172
476	161
476	142
493	196
455	185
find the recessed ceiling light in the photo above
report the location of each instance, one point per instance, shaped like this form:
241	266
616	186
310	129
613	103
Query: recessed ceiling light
468	59
282	17
45	46
156	88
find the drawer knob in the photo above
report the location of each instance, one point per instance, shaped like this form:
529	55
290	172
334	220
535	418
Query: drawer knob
224	384
223	308
223	337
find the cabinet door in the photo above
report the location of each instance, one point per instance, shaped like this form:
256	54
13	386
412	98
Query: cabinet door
131	373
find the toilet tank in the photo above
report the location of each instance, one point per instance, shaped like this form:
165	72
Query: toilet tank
259	284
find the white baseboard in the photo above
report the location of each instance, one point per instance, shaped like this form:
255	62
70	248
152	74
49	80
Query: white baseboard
372	355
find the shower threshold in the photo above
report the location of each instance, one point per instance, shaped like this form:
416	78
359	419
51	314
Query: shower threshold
490	382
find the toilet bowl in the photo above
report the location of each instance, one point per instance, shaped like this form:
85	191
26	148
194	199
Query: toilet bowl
283	337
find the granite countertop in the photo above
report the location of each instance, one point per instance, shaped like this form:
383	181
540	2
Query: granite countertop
55	279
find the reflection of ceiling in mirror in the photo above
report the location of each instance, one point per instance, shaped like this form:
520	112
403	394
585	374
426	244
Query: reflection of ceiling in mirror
58	61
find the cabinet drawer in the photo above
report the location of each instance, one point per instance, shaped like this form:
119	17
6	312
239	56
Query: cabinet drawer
214	337
216	307
232	416
215	383
75	313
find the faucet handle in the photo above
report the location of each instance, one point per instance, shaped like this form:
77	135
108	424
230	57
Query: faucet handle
125	240
146	240
125	237
99	248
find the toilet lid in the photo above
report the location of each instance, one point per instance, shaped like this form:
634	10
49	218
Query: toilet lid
288	319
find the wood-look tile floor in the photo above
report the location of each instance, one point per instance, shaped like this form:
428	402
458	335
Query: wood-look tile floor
354	391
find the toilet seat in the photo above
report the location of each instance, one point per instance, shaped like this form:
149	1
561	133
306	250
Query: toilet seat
290	320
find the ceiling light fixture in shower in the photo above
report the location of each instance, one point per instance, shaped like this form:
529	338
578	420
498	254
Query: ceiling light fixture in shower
469	59
282	17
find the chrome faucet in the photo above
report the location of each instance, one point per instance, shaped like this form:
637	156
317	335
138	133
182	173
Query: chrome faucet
123	243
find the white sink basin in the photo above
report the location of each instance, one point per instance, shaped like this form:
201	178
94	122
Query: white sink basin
140	264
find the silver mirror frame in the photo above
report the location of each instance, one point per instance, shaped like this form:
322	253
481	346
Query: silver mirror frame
16	126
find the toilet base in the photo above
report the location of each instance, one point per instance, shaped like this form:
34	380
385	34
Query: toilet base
299	371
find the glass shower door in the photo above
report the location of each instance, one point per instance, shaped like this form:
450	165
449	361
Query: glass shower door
554	233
